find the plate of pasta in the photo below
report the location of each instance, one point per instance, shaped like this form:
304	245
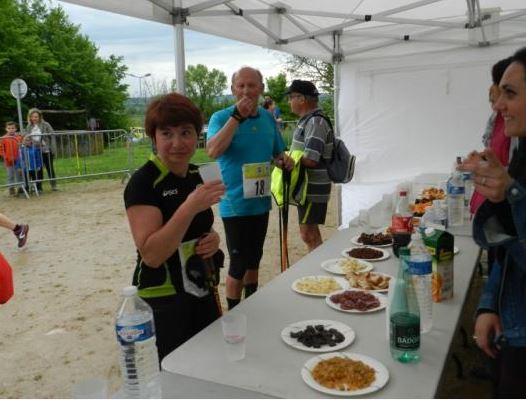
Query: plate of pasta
342	266
319	285
345	374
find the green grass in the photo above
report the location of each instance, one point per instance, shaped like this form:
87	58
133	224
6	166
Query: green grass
112	159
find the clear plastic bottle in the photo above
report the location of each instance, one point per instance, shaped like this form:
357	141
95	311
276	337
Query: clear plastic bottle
455	196
404	316
136	337
468	191
421	270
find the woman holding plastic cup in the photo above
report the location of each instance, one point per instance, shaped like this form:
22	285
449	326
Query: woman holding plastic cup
500	223
168	208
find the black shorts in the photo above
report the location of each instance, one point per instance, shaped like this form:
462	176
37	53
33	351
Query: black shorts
312	213
177	318
245	237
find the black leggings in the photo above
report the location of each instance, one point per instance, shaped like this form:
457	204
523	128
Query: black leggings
511	373
47	159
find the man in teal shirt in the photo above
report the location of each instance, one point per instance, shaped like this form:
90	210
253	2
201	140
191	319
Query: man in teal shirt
245	140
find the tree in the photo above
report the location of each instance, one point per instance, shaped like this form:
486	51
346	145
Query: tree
319	72
61	66
204	87
277	87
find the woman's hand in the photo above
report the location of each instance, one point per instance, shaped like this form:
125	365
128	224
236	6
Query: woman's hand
490	177
205	195
487	327
207	246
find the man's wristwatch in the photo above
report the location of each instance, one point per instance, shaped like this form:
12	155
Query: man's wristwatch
237	115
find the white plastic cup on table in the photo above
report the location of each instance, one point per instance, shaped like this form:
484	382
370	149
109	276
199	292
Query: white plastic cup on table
234	333
210	172
94	388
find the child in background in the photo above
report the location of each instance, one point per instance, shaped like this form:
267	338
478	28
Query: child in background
31	163
9	144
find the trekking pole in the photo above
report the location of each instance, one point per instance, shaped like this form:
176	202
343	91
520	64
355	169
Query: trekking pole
285	211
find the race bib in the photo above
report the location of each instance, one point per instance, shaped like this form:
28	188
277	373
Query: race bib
256	180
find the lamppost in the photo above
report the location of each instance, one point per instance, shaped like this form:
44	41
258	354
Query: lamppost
140	78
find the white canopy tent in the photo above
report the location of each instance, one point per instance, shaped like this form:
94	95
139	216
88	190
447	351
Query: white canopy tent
411	77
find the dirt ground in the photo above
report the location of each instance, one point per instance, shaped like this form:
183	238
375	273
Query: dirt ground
58	328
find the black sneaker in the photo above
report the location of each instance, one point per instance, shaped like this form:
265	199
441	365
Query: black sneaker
21	235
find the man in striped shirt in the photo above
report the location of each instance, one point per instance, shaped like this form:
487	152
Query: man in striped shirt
313	136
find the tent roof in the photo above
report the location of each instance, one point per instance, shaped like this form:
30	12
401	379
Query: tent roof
365	28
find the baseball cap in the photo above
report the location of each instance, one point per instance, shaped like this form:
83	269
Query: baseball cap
305	88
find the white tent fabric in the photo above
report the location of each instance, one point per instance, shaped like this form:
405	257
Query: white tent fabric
411	89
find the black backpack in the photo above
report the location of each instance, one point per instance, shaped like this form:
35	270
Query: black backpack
340	168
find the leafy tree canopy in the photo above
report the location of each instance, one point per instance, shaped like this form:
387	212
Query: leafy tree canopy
60	65
204	87
319	72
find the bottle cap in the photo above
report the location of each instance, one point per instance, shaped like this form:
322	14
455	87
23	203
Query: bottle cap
129	291
429	231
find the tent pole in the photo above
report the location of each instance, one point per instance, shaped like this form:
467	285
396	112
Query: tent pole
179	18
336	62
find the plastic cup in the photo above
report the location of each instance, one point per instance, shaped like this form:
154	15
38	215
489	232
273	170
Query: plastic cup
94	388
234	333
210	172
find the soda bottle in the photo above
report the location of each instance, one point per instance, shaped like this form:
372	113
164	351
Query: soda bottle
404	316
421	270
455	196
136	337
401	223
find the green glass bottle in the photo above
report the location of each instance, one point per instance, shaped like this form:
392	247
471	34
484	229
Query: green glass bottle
404	316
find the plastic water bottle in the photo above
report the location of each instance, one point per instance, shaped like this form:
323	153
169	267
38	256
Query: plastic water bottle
468	191
404	316
455	196
421	270
136	337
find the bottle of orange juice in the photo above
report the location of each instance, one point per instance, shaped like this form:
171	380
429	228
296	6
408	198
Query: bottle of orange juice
440	245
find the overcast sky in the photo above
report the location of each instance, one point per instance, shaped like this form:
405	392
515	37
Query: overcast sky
148	47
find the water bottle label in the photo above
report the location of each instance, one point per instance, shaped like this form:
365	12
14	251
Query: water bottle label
455	190
420	267
405	331
134	333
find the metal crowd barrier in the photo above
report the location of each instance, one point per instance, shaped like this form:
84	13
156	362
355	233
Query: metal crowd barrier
76	154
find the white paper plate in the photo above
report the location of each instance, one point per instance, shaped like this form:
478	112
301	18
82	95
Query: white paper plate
341	281
381	378
333	266
385	253
381	298
345	330
354	240
373	290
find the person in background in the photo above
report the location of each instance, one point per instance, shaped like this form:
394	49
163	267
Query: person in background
170	216
500	223
272	108
494	136
244	138
43	138
313	136
19	230
9	151
30	163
